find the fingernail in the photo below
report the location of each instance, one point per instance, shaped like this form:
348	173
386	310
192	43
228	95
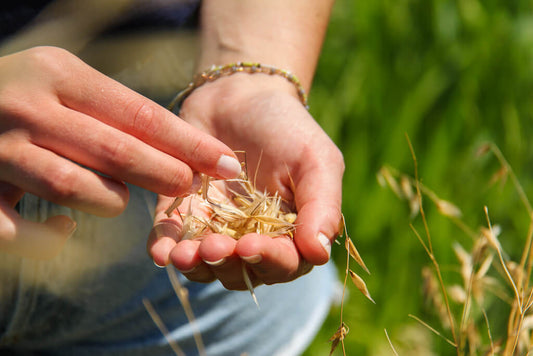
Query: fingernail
216	263
228	167
158	266
255	259
324	241
196	184
160	251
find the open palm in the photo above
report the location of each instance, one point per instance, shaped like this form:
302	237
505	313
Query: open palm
286	152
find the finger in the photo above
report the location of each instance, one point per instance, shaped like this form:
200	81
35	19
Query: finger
272	260
162	239
187	260
166	232
165	246
318	200
217	251
114	153
109	101
10	194
45	174
33	240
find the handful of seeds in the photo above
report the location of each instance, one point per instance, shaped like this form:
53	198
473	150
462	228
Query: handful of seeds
235	208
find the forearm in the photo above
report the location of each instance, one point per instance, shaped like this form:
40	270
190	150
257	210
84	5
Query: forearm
285	34
284	146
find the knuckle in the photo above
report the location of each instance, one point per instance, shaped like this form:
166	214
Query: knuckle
338	151
330	158
334	156
117	153
179	182
60	183
199	148
338	158
47	52
144	121
50	59
42	66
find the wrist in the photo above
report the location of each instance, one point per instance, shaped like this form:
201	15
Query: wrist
256	70
245	85
214	105
285	34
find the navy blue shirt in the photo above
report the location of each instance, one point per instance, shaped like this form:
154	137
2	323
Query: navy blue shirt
14	15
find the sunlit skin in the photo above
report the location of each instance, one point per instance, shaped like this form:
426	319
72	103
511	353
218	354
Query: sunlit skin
298	146
262	115
58	116
56	111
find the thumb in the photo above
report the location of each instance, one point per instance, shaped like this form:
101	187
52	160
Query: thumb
318	199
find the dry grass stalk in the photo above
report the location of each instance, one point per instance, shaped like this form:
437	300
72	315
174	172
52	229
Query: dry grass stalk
235	208
161	326
390	343
436	332
445	207
351	252
474	269
429	247
238	209
183	295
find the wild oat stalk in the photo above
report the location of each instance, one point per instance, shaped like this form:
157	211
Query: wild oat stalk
390	343
351	252
519	281
235	207
161	326
183	295
429	247
474	267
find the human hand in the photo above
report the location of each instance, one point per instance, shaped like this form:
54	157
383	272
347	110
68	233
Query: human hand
261	116
61	122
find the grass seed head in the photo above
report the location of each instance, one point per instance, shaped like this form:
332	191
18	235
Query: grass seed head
448	209
352	250
361	285
235	208
338	337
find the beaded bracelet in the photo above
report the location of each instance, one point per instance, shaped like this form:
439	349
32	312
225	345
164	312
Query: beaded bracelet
216	72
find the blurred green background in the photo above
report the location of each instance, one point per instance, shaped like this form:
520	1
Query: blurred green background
451	75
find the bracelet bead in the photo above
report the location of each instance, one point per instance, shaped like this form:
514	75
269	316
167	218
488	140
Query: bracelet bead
215	72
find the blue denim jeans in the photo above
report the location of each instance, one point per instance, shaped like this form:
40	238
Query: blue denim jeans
88	300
